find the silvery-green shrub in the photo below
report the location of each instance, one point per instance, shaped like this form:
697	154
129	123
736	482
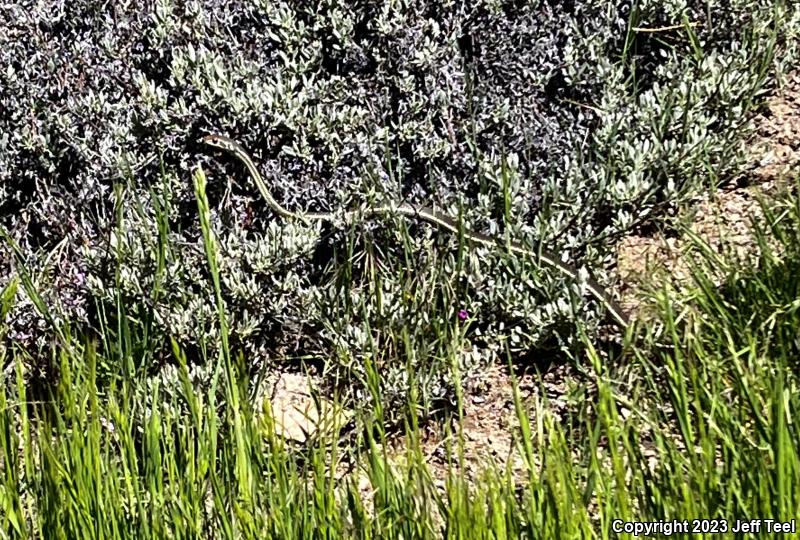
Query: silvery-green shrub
589	123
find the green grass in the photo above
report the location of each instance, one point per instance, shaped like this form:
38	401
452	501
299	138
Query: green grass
706	429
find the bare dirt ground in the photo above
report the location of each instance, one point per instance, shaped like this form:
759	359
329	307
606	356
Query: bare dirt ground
724	218
489	420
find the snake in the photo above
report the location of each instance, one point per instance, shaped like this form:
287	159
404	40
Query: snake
544	257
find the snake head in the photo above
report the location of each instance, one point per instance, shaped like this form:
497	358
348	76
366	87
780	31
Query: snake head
212	140
222	142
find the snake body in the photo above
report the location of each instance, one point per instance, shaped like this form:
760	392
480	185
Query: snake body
420	212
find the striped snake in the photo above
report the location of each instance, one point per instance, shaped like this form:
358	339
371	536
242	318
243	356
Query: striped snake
425	213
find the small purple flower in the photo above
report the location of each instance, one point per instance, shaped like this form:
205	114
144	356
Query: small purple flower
462	314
